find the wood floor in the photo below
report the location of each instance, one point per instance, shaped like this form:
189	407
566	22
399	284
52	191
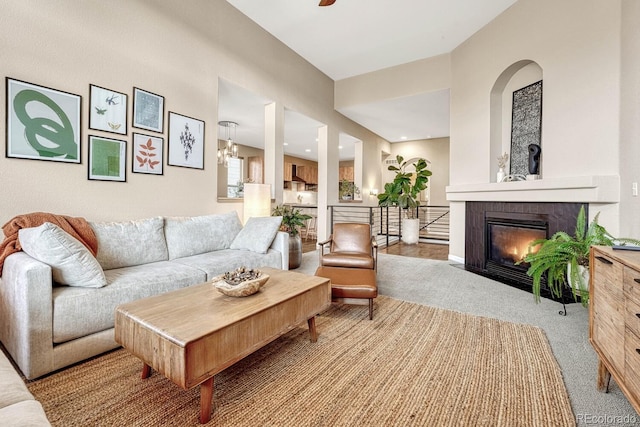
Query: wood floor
419	250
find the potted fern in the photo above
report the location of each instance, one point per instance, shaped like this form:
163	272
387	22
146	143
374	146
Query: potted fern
292	220
564	258
403	192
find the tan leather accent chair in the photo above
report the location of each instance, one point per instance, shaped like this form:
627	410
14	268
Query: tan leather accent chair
350	245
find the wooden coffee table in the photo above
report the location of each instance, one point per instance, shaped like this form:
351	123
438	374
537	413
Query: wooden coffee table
191	334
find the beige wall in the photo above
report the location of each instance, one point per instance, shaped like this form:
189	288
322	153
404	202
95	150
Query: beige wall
576	43
630	119
436	151
175	49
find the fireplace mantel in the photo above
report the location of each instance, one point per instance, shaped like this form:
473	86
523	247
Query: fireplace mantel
589	189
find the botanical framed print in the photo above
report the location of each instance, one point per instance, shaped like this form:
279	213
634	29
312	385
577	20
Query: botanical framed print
148	110
42	123
107	110
148	154
186	141
107	159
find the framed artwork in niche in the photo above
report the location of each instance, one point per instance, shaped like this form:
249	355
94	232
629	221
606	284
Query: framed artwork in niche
526	126
107	110
107	159
186	141
148	154
148	110
42	123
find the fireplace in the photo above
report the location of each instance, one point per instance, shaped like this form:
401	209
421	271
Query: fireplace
497	236
507	242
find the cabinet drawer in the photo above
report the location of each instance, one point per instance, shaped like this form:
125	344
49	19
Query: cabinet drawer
607	280
632	316
632	284
608	333
632	363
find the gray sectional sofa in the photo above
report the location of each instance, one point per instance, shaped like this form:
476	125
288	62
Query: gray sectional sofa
18	408
45	325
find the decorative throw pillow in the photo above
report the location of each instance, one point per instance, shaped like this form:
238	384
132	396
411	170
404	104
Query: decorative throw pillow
195	235
71	262
257	234
127	243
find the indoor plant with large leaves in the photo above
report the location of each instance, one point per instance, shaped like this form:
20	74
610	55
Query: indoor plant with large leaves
403	192
563	258
292	220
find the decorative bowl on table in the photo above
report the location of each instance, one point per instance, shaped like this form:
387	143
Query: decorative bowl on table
241	282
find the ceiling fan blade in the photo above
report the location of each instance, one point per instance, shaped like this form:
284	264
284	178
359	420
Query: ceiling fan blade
326	2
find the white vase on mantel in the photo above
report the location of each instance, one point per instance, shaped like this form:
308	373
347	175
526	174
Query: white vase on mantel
500	175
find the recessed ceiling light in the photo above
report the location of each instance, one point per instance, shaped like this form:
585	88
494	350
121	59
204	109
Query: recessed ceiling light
403	138
308	150
340	147
286	143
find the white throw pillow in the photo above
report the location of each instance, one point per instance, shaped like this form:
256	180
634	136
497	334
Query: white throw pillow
188	236
127	243
257	234
71	262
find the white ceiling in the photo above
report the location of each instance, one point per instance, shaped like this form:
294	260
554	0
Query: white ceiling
353	37
246	108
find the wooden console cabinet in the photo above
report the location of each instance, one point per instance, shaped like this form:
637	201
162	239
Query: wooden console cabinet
614	318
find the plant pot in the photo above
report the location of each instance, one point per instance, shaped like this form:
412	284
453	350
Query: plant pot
584	274
295	251
410	230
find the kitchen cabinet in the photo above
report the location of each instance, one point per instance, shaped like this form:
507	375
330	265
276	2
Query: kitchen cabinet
308	173
345	173
255	171
288	171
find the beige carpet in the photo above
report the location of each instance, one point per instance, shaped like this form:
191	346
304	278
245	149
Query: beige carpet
411	365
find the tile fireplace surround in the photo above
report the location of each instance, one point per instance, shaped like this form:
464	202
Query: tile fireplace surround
556	199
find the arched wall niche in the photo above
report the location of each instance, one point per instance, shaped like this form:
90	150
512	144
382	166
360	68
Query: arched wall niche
517	75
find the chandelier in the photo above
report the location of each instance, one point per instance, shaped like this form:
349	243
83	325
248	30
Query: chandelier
227	149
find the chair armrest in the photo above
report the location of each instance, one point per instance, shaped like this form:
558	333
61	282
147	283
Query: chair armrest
321	245
374	250
326	241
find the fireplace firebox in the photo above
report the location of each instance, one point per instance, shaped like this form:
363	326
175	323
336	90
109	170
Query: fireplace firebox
508	242
497	236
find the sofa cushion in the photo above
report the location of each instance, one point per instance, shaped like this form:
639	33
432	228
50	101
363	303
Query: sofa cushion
257	234
96	307
219	262
71	262
28	413
13	389
123	244
188	236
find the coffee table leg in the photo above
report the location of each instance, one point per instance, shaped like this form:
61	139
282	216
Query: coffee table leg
312	329
146	371
206	394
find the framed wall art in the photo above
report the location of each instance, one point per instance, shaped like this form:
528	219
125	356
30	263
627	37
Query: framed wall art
526	126
186	141
148	110
42	123
148	154
107	159
107	110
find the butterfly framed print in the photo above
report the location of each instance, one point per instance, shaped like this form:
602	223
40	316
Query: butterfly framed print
107	110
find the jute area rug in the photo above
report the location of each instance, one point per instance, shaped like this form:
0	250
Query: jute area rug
410	365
